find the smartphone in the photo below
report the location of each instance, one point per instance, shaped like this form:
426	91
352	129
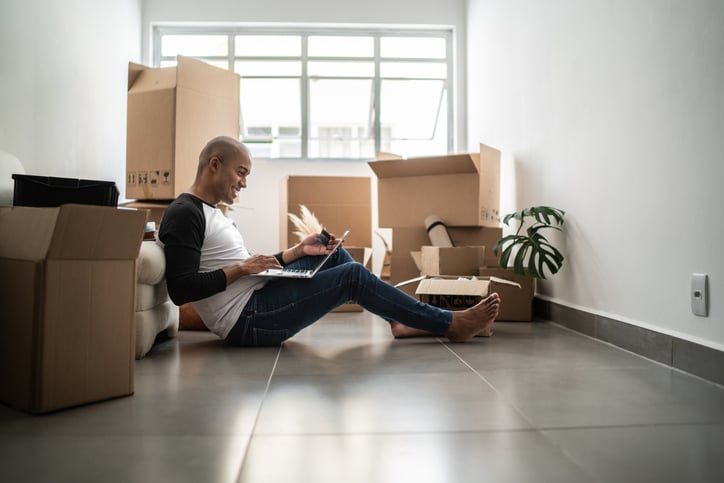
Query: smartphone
323	237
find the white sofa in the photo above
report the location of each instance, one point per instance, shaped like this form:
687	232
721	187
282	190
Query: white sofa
154	310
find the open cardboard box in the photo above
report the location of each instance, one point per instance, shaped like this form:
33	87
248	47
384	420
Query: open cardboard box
67	290
462	189
458	293
516	304
451	260
172	113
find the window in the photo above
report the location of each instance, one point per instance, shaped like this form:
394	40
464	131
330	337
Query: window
330	93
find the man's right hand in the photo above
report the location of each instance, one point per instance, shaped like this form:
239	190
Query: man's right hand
249	266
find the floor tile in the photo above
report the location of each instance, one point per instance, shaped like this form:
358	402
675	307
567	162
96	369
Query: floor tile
174	405
606	397
678	453
194	353
521	345
121	459
456	457
384	403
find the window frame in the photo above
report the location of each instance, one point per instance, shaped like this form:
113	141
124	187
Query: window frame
231	31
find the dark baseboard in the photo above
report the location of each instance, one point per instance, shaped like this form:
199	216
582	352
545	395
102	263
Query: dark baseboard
690	357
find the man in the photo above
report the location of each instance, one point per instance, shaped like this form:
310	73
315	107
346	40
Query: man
207	263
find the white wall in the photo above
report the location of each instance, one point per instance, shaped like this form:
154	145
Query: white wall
63	84
612	110
257	215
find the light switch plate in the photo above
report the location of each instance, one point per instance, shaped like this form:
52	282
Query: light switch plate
700	294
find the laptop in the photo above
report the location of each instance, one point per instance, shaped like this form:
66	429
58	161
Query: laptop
292	273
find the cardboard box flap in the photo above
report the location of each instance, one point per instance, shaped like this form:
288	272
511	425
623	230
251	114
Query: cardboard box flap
459	286
25	233
197	75
151	79
134	70
85	232
428	166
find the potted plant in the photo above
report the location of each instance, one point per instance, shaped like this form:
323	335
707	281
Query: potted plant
535	254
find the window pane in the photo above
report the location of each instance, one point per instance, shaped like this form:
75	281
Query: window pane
268	45
271	114
412	70
340	119
413	47
194	45
436	145
341	69
410	108
268	68
330	46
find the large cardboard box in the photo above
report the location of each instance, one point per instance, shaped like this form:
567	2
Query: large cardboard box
339	202
67	291
172	113
451	260
516	304
462	189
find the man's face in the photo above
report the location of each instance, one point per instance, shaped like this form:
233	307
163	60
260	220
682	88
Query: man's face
231	177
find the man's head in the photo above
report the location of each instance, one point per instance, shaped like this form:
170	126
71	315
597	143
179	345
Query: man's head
224	164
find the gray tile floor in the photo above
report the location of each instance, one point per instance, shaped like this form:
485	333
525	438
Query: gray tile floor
344	402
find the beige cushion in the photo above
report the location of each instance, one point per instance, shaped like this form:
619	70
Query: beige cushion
152	321
149	296
151	263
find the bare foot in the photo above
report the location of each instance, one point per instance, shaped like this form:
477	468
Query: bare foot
477	319
401	331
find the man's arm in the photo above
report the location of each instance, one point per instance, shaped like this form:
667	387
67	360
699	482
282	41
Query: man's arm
182	233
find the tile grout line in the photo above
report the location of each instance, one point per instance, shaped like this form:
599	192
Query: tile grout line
258	413
482	378
536	428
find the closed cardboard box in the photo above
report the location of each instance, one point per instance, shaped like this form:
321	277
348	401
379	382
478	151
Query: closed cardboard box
172	113
67	289
516	304
462	189
339	203
452	260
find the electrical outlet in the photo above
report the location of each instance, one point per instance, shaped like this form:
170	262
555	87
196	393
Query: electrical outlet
700	294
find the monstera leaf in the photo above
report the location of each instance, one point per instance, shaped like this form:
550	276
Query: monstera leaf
535	253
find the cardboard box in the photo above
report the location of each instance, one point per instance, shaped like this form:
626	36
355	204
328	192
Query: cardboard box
455	293
67	291
410	239
516	304
362	255
172	113
451	260
462	189
339	202
156	209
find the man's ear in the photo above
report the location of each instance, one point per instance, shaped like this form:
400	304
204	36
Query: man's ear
214	163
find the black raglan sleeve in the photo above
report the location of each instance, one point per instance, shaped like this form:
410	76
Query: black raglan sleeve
182	234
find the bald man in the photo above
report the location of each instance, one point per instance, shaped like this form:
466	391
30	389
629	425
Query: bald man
208	264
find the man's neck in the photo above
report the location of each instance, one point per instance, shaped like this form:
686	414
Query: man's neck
203	195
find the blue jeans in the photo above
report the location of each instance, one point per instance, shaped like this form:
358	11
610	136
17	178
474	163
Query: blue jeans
285	306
